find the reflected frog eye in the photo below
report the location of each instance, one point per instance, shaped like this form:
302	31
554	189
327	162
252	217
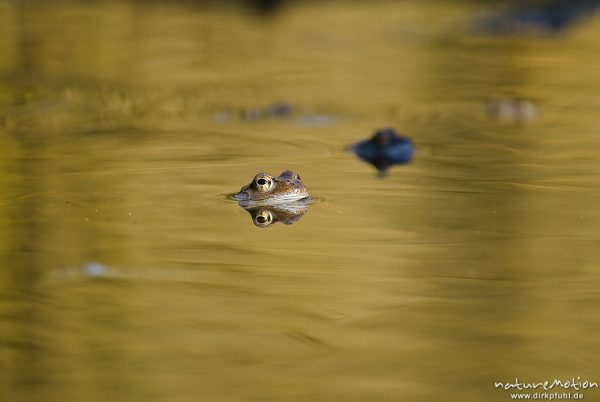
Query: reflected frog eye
263	219
263	183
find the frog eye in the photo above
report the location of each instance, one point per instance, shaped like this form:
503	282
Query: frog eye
263	219
263	183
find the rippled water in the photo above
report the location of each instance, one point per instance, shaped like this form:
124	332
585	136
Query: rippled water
127	274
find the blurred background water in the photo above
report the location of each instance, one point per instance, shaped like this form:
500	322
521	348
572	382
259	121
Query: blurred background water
126	274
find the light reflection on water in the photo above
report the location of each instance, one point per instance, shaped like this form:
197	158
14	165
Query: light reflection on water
127	275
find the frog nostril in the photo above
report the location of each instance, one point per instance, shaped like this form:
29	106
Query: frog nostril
242	196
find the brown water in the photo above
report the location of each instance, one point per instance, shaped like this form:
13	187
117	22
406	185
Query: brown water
127	275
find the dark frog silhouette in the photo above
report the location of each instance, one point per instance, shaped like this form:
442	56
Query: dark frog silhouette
268	189
271	199
385	149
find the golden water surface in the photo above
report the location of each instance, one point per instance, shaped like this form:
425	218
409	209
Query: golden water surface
126	274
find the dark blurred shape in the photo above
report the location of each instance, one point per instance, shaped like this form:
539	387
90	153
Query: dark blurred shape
541	17
265	7
277	110
287	213
280	110
517	110
261	8
385	149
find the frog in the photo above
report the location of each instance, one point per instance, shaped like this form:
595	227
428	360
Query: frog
268	189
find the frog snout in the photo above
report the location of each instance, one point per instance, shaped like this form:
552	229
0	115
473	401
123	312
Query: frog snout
242	196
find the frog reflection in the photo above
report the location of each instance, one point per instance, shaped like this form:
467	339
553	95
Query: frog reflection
264	216
385	149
